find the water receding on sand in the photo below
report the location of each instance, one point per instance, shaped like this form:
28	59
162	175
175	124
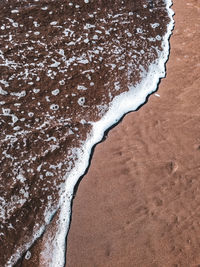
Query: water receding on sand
69	70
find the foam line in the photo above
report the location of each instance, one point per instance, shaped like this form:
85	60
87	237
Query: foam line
122	104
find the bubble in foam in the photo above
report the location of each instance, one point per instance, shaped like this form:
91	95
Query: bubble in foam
81	101
28	255
54	107
55	92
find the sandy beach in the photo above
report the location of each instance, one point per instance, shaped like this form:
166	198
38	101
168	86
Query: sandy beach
139	203
69	71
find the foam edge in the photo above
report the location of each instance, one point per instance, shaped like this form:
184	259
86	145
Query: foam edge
124	103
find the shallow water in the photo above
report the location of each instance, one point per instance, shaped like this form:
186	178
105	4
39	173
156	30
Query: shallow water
65	66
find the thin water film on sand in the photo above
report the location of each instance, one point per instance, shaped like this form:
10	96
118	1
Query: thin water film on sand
62	66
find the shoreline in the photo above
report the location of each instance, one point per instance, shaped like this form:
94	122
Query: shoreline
166	156
107	121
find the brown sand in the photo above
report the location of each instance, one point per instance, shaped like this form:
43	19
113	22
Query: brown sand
61	64
139	204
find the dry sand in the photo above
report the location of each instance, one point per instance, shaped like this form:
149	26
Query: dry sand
139	204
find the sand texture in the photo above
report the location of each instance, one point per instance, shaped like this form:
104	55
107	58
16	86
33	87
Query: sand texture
61	66
139	204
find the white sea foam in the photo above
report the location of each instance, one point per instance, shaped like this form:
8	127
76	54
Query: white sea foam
128	101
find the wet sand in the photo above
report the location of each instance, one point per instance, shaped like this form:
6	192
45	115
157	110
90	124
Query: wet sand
61	65
139	203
